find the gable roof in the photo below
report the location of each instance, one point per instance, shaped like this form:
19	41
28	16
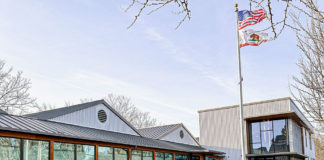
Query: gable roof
159	132
50	114
56	129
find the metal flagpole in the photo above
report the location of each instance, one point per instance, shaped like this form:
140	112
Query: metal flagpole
240	83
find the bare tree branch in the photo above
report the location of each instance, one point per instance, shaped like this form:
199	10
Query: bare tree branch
14	91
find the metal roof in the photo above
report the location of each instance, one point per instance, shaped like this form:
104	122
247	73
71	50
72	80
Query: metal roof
2	111
50	114
50	128
158	131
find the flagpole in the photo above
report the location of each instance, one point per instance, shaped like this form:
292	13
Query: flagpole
240	83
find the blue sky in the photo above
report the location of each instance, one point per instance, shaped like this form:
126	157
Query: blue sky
81	49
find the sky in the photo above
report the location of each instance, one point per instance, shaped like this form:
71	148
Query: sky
78	49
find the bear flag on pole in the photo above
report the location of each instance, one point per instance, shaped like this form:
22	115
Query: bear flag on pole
252	38
247	18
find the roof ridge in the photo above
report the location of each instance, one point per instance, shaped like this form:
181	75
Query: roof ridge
160	126
64	107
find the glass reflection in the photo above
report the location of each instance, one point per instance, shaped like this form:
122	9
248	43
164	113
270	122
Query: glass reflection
105	153
9	148
85	152
36	150
120	154
63	151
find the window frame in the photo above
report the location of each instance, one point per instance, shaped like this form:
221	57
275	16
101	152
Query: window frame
272	130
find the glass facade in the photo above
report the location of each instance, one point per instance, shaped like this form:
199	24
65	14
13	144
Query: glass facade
273	158
159	156
120	154
136	155
168	156
142	155
36	150
9	148
85	152
147	155
63	151
269	136
105	153
181	157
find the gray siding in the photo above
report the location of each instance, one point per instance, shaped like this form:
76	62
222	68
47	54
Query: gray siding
295	137
174	136
88	118
220	127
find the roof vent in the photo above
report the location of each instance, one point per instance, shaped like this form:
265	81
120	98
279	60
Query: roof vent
102	116
181	134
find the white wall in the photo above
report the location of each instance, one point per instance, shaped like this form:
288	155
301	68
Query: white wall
174	136
88	118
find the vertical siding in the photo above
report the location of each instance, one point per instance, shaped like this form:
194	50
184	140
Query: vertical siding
174	136
269	108
295	137
88	118
220	128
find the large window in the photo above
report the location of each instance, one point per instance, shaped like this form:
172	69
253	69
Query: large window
181	157
168	156
273	158
269	136
163	156
36	150
147	155
105	153
85	152
120	154
64	151
142	155
9	148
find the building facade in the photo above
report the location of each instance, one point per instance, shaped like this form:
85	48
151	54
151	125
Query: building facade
274	130
90	131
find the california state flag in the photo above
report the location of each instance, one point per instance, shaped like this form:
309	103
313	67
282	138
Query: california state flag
252	38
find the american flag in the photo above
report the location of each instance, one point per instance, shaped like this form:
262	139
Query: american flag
247	18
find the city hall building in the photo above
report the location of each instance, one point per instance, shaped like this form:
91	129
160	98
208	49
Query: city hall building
93	131
274	130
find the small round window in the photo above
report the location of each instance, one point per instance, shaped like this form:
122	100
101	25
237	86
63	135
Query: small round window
181	134
102	116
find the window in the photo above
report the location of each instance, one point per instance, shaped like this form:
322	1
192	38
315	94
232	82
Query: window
142	155
181	157
268	136
85	152
9	148
120	154
147	155
168	156
310	142
136	155
306	137
36	150
105	153
272	158
64	151
159	156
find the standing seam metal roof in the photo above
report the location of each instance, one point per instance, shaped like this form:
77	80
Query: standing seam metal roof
50	128
158	131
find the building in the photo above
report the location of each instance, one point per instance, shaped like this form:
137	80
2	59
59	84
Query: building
274	130
93	131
